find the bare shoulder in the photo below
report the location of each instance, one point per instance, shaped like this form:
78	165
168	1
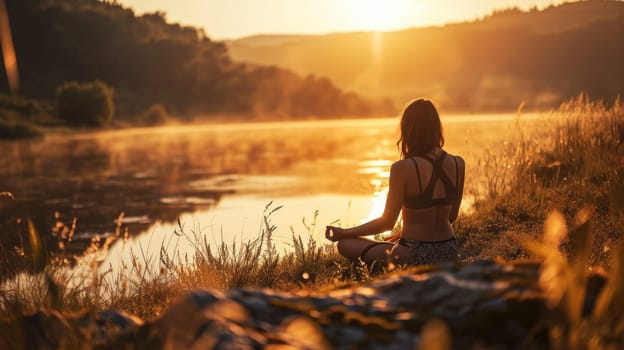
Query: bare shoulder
400	166
459	159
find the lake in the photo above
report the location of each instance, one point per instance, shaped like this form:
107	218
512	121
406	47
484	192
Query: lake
219	180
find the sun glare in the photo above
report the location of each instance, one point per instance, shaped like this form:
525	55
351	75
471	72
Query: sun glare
376	14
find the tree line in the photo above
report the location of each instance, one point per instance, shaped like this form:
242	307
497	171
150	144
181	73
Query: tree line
149	63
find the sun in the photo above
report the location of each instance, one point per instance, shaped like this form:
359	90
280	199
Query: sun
377	15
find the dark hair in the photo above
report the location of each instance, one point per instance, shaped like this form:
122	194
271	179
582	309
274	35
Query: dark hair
421	129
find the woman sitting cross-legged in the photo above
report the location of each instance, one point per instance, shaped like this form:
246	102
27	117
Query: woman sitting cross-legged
426	187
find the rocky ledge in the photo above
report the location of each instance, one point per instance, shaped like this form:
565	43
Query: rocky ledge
482	304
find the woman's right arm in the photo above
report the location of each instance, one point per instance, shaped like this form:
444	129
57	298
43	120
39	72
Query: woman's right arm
394	203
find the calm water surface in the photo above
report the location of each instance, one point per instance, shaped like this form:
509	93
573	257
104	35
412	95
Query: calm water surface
219	179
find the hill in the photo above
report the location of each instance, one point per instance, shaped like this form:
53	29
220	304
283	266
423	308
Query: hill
150	61
537	57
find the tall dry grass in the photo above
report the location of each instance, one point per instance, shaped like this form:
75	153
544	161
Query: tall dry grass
571	158
567	171
584	317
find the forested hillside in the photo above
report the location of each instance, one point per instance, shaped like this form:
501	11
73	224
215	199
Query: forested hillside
147	60
537	57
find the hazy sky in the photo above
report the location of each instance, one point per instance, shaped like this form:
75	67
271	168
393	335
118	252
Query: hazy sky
237	18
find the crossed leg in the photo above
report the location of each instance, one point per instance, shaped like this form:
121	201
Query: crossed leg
374	252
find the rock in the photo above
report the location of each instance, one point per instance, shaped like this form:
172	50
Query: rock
483	304
389	311
102	326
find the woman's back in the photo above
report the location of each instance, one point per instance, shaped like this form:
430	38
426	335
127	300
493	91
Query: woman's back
431	190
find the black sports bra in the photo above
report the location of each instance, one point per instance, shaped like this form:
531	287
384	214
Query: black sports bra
425	198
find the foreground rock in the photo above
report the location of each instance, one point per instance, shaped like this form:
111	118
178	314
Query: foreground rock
480	304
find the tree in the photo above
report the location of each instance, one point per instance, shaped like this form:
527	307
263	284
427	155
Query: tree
85	104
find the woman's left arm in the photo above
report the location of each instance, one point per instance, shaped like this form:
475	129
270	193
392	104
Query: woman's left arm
461	172
394	203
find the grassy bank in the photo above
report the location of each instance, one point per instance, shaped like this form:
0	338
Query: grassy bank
567	163
571	164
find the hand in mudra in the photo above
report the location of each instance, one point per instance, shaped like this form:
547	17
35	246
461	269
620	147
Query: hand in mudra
334	233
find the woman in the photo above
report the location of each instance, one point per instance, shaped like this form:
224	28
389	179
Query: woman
426	185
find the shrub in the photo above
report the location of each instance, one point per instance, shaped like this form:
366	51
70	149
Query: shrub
27	108
17	129
155	115
85	104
